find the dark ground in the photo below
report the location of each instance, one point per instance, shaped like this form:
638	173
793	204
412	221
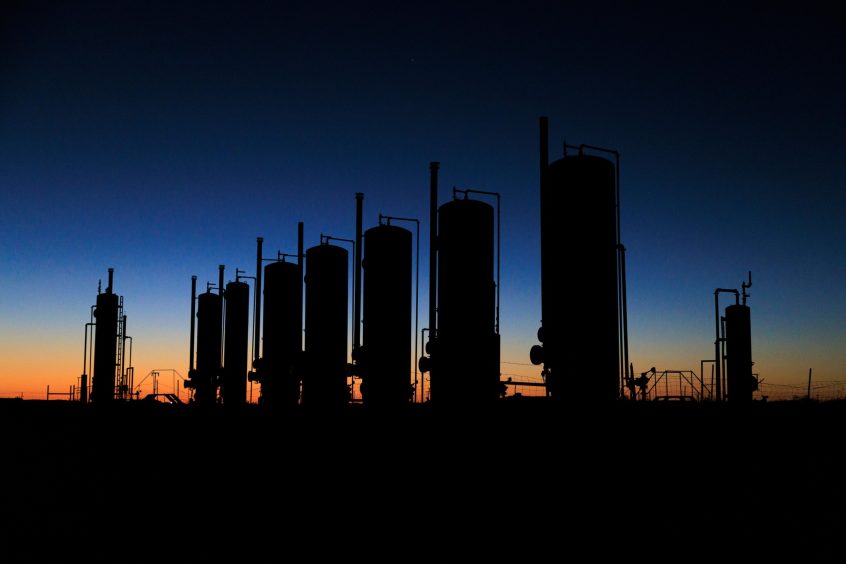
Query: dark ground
522	481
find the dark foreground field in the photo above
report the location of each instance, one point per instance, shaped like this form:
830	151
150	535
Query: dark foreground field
524	481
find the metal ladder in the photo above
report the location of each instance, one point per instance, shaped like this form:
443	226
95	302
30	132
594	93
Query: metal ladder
120	388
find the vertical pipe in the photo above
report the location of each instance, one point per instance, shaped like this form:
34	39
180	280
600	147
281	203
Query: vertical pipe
257	304
433	248
416	306
617	194
498	240
91	358
717	357
193	324
220	270
359	207
620	346
712	381
124	388
543	144
111	279
625	306
621	313
85	350
723	355
544	164
83	385
300	243
132	381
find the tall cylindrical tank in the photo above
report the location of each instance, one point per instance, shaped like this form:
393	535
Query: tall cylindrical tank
739	379
580	326
385	357
209	331
465	359
326	324
236	344
282	341
105	347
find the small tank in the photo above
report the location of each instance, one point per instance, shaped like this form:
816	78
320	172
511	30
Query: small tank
326	323
236	344
282	339
209	337
385	355
740	382
105	347
465	353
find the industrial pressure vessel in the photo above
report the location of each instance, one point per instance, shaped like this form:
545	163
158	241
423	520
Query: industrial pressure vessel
385	356
282	339
209	338
739	380
236	344
465	355
579	279
326	323
105	348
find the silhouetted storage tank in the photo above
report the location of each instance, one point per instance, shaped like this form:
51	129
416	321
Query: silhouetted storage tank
209	333
465	359
236	344
739	379
580	327
326	322
385	356
105	347
282	341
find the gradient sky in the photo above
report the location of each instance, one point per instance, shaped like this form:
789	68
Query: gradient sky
161	140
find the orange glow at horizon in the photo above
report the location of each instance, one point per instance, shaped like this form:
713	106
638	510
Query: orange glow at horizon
31	361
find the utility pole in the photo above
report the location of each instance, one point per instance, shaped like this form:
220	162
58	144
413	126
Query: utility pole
810	370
